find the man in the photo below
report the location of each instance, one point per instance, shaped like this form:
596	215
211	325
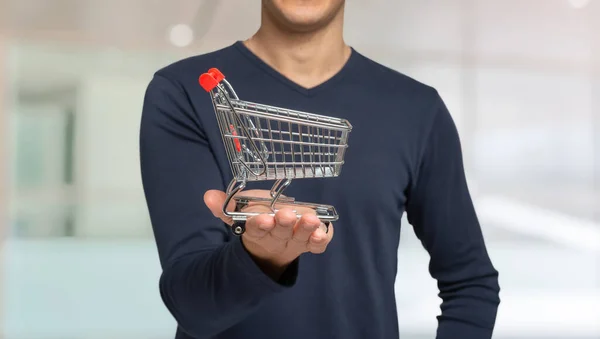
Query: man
287	278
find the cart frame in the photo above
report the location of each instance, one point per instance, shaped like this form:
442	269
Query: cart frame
286	145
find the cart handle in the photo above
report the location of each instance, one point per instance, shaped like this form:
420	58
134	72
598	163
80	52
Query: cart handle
211	80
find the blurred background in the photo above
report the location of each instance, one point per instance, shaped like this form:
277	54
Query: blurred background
521	78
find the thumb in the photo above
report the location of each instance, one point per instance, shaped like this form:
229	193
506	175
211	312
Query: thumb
214	200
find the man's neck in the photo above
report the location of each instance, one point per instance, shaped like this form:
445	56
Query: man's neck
309	58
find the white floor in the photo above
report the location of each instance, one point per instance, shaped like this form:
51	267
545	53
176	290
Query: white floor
93	289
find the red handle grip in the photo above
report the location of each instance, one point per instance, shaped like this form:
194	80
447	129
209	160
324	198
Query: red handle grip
210	79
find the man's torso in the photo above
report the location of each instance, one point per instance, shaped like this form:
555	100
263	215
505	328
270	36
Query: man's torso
347	292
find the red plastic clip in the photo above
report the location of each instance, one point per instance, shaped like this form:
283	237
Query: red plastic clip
236	141
210	79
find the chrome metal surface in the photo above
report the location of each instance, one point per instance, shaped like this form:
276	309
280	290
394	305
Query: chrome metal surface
326	213
265	143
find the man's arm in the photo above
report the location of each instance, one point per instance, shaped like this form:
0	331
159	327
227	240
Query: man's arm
442	213
209	281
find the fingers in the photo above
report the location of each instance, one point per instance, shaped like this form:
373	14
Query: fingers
304	229
258	227
214	200
285	219
273	233
319	240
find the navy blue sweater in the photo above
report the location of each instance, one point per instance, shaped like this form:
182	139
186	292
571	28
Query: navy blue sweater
404	155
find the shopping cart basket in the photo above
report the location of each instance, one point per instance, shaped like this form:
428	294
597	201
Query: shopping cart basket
267	143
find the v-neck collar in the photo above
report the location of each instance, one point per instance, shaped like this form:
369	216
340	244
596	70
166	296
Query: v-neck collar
288	82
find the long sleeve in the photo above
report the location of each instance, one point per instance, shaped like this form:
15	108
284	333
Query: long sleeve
440	209
209	281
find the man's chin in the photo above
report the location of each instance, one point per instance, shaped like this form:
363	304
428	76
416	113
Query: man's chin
303	25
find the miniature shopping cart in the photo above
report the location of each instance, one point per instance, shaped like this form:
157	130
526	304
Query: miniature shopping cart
266	143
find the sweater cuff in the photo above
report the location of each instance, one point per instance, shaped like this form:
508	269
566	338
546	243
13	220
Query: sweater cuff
449	329
249	266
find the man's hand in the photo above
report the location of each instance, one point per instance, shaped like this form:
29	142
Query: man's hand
275	242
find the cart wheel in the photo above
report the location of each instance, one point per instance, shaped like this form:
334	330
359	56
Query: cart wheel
238	227
326	223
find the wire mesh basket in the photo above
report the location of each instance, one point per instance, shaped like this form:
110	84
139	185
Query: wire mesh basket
267	143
